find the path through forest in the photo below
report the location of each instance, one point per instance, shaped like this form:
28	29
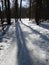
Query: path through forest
25	43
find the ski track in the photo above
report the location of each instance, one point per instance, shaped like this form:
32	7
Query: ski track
25	43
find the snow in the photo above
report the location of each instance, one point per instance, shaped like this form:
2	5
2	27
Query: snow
25	43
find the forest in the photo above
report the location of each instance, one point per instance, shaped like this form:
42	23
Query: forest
24	32
37	9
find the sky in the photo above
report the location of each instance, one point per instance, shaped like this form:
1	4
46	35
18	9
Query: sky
25	3
0	3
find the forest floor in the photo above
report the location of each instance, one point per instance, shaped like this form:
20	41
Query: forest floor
25	43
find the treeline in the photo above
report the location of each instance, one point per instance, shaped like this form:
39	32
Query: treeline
42	5
38	9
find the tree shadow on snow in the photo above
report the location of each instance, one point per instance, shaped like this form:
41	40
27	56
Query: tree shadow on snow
46	26
3	32
23	56
44	37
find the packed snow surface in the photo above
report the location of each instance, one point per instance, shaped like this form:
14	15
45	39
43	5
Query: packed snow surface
25	43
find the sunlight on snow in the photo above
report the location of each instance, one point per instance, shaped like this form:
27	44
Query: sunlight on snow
37	52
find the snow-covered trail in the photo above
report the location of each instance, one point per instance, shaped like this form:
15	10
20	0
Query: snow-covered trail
25	43
23	55
37	42
8	47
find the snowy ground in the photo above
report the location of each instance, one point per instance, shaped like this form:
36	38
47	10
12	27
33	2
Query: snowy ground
25	43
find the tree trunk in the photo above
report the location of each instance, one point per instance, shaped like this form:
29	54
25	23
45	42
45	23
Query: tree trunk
2	13
38	10
20	8
8	13
16	9
30	10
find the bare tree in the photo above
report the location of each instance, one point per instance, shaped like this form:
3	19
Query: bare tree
16	9
7	10
29	9
38	9
8	13
2	13
20	8
0	16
